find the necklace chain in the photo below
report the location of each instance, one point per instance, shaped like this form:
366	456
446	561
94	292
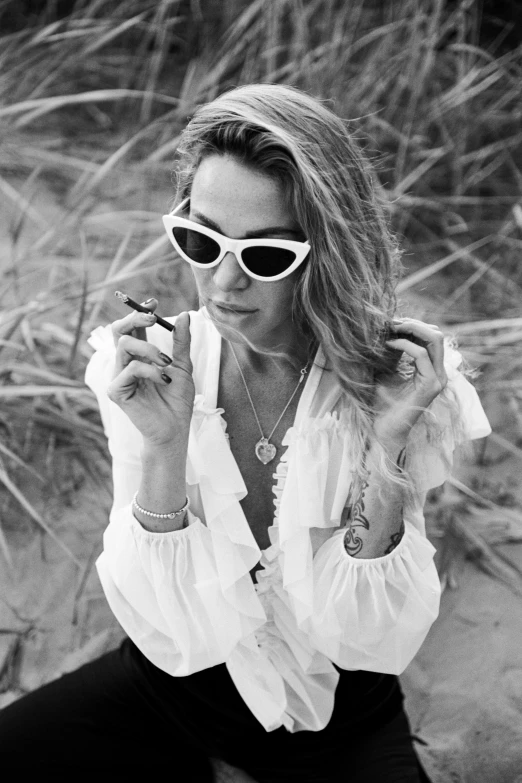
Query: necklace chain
299	382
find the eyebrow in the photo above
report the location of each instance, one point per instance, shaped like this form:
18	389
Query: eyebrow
259	234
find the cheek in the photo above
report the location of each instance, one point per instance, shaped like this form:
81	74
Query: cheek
286	293
201	278
278	300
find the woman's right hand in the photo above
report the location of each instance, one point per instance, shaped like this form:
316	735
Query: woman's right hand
154	390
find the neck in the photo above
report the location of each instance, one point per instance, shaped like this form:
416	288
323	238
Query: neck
283	360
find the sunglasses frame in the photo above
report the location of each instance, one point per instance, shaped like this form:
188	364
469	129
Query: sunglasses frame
235	246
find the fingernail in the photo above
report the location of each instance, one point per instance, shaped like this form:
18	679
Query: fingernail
148	300
165	359
166	377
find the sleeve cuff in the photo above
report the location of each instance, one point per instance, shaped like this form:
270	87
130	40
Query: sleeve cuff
151	535
358	561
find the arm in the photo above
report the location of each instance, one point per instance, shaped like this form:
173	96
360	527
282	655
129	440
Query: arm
375	524
161	582
374	613
376	589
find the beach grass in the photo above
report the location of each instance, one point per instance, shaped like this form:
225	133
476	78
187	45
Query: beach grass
93	101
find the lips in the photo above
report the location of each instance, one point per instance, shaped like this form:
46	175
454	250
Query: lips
232	308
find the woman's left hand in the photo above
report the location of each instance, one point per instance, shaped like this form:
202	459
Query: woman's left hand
399	402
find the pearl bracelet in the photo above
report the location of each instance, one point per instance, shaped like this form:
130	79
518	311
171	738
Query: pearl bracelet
172	515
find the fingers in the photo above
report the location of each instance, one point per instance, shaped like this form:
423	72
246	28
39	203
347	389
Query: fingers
129	348
424	343
415	327
181	343
135	322
151	305
124	386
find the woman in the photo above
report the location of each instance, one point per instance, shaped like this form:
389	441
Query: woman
271	640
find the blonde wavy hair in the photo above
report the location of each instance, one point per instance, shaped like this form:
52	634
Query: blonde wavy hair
344	294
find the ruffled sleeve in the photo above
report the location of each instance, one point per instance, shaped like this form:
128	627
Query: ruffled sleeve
374	614
164	590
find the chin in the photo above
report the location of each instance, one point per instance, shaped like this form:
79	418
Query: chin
226	330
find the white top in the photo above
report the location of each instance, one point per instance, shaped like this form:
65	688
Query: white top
186	598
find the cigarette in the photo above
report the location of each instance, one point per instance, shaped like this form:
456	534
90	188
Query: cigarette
135	306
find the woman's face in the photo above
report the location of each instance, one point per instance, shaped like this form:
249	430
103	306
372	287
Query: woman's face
243	203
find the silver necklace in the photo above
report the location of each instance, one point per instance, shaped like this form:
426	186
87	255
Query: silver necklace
264	450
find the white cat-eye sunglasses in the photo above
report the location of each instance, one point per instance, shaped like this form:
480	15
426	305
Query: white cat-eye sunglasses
267	260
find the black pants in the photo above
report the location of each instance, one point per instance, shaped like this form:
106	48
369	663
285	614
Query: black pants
120	715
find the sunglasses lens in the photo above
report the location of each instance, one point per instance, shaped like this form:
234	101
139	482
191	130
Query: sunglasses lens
199	247
267	261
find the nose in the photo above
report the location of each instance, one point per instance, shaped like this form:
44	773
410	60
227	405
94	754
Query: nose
228	275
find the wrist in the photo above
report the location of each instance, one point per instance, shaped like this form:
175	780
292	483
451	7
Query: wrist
170	453
178	513
156	523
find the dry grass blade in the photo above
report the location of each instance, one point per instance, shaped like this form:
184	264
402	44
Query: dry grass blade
110	163
34	109
16	493
474	327
22	203
503	280
18	461
82	307
485	556
4	548
464	92
95	311
57	332
430	270
113	32
28	153
131	267
467	284
33	373
513	516
419	171
15	392
504	442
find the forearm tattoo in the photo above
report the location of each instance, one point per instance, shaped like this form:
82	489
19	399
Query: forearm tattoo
353	543
395	539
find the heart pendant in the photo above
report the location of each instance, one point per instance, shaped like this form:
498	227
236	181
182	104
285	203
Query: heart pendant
265	451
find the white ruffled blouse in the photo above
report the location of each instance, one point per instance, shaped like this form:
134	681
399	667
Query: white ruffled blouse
186	597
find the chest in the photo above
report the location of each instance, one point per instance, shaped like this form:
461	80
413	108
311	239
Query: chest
244	433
